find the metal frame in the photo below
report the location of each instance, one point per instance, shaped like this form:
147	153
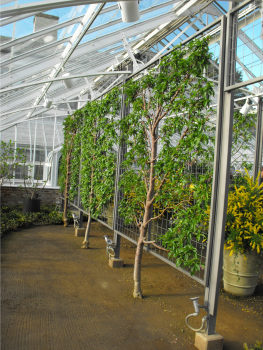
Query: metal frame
225	109
259	140
43	6
226	88
62	78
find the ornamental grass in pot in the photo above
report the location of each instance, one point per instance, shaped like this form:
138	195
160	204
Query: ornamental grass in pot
243	237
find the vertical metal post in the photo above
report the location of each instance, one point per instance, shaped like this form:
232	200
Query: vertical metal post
221	174
14	173
54	159
121	152
259	140
32	174
45	140
117	238
30	138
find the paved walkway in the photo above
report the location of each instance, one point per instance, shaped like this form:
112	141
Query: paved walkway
57	296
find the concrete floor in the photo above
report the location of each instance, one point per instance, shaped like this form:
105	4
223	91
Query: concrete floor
58	296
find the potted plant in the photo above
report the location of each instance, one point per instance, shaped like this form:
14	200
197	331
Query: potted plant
243	236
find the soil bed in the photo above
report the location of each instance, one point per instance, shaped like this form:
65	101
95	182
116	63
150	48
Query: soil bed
58	296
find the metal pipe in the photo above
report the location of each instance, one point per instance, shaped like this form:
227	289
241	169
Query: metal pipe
197	308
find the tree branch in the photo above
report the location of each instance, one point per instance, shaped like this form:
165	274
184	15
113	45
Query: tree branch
155	245
158	119
158	188
164	210
138	224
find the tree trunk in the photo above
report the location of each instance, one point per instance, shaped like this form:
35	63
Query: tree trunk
85	243
65	218
137	292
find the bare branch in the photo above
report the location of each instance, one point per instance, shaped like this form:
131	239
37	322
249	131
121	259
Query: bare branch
155	245
164	210
138	223
158	216
158	119
158	188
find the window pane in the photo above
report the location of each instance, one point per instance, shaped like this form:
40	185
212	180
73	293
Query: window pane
21	171
38	174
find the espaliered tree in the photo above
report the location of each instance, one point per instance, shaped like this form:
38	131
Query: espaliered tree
98	138
72	126
166	132
75	161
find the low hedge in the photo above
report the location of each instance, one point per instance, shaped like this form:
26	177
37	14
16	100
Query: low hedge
14	218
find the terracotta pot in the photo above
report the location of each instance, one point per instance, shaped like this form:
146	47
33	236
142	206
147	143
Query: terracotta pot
240	273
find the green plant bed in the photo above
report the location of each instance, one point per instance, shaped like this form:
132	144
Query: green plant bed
13	219
257	346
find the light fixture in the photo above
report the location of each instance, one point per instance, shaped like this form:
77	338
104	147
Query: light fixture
129	10
47	103
67	82
246	107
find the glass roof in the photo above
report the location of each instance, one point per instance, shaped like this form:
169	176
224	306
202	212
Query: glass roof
55	56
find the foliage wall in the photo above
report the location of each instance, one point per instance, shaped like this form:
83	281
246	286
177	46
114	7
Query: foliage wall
90	150
99	147
169	139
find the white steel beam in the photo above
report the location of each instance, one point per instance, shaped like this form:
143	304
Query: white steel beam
29	70
173	40
89	47
40	82
13	19
40	33
24	97
250	44
90	16
43	6
127	47
67	23
29	53
61	94
45	31
19	110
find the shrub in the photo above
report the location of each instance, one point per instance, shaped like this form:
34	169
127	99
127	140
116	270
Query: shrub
13	218
244	224
258	346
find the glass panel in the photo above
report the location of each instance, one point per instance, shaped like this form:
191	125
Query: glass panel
21	171
38	174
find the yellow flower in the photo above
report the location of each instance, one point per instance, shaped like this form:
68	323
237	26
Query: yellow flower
192	187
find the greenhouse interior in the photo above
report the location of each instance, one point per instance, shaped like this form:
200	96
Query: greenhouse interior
131	174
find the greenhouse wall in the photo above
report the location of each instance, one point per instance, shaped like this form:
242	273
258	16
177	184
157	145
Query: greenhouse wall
13	196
